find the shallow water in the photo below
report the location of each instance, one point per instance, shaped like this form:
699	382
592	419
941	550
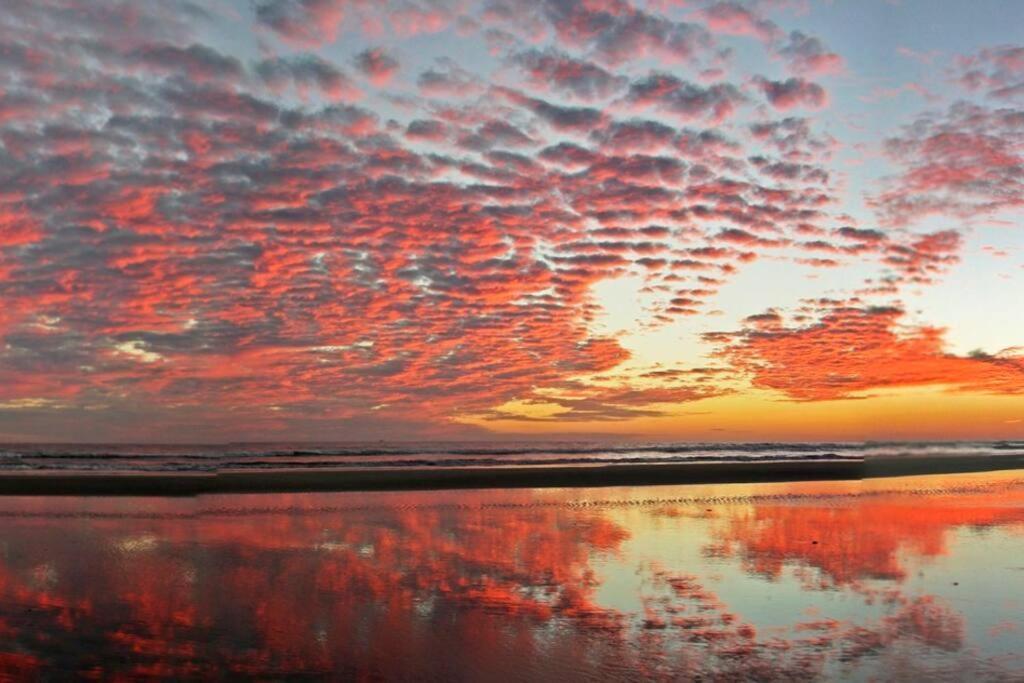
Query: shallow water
911	578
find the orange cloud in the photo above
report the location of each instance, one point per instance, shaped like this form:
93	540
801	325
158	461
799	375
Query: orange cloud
850	350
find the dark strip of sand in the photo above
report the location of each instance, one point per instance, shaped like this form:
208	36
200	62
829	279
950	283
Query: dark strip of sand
376	479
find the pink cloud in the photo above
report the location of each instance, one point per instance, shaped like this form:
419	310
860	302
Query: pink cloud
793	92
377	65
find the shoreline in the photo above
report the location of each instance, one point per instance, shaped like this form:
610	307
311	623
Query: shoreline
174	484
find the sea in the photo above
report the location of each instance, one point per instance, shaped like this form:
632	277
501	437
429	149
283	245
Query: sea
129	458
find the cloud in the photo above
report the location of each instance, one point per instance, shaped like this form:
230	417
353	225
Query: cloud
555	70
306	72
744	238
851	350
965	162
734	19
562	117
448	79
635	135
793	92
315	23
925	256
998	72
793	138
303	23
424	129
807	55
181	227
377	65
686	100
614	32
198	61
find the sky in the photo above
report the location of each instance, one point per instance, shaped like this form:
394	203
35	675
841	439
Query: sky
311	220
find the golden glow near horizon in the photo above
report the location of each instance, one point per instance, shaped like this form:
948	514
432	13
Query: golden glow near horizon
903	414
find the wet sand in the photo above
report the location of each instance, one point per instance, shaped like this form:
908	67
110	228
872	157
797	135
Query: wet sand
904	578
434	478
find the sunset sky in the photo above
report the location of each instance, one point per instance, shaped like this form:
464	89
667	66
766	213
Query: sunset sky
446	219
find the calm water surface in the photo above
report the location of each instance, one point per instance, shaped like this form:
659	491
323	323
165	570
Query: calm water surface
915	579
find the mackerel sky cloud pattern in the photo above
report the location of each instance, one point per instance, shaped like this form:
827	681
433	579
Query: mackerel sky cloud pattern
350	219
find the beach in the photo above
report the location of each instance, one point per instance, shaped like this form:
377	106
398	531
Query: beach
911	577
442	476
490	561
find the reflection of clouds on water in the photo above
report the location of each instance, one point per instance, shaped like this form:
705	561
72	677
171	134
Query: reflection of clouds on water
769	537
393	586
874	549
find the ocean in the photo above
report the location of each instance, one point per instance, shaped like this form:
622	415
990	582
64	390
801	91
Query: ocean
211	458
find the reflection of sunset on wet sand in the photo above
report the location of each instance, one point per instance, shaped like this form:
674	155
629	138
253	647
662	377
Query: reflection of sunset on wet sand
910	577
